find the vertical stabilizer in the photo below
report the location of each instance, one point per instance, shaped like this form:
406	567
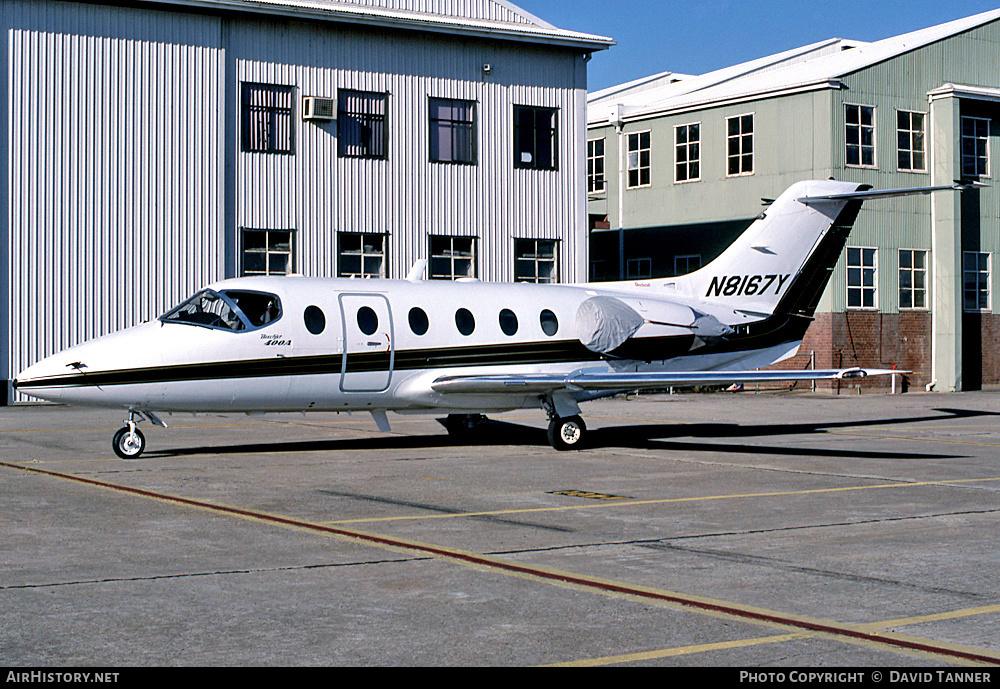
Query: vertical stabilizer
783	261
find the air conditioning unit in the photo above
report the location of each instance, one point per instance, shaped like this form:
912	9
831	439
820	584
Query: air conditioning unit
316	108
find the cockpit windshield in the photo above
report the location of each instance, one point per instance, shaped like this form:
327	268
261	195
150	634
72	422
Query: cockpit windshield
232	310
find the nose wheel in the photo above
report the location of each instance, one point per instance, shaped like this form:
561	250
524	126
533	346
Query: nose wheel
129	442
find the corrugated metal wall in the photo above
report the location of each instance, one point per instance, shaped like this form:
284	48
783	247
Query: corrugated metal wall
126	185
114	159
406	196
478	9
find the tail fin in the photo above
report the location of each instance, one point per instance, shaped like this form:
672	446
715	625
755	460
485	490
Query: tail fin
783	261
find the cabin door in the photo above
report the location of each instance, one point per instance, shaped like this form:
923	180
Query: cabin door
368	343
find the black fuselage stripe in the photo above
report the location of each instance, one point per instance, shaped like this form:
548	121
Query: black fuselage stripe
783	329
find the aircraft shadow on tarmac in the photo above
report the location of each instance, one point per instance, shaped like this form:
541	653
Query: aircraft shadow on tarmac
665	436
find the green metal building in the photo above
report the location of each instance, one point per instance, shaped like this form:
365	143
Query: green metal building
678	166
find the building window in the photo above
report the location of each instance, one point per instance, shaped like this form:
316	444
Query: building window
453	131
362	124
975	147
686	264
535	137
912	279
910	151
639	268
860	131
361	255
266	252
687	152
595	165
452	258
267	125
739	145
535	260
637	145
861	286
976	280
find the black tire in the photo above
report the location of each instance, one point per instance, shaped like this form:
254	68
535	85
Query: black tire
128	447
568	433
463	425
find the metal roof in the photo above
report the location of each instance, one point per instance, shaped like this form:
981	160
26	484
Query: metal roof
811	67
497	19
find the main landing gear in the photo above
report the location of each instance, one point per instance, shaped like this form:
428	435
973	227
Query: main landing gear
129	442
464	425
567	433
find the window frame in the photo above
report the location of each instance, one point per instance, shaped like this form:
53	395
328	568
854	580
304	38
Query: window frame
267	251
741	137
687	260
639	268
536	260
861	288
437	124
537	133
976	138
596	181
983	282
450	255
277	135
639	151
346	144
383	272
686	145
861	127
912	270
910	133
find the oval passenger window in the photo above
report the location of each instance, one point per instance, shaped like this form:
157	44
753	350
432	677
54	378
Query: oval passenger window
418	321
550	323
315	320
367	320
508	322
465	322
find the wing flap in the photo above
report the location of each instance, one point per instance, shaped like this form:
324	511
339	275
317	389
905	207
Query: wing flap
610	381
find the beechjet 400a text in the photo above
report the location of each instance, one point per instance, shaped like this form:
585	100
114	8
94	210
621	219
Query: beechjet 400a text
469	348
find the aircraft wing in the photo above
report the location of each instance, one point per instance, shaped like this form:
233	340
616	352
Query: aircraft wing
609	381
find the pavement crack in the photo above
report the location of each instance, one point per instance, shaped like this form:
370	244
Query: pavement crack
214	573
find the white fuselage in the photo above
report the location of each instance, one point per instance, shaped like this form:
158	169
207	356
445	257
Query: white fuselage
378	345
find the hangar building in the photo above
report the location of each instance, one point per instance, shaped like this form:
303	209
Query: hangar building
153	147
678	165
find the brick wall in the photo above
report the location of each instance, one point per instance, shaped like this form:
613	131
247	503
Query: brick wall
868	339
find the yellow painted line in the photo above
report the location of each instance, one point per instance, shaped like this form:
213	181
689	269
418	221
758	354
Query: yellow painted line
548	575
635	503
937	617
797	636
683	650
913	439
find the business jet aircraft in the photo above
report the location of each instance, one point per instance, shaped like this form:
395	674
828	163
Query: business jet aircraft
467	348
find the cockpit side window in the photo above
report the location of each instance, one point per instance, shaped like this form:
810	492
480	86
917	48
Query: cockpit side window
233	310
260	308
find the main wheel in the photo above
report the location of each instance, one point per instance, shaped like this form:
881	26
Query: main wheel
128	444
567	433
461	425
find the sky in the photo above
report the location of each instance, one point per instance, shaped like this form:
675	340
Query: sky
696	37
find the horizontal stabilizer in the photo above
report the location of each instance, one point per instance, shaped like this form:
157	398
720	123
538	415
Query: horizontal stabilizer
890	193
611	381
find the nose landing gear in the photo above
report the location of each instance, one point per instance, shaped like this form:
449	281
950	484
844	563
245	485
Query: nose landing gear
129	442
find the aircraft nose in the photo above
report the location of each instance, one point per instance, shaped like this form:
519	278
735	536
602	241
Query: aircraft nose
48	379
